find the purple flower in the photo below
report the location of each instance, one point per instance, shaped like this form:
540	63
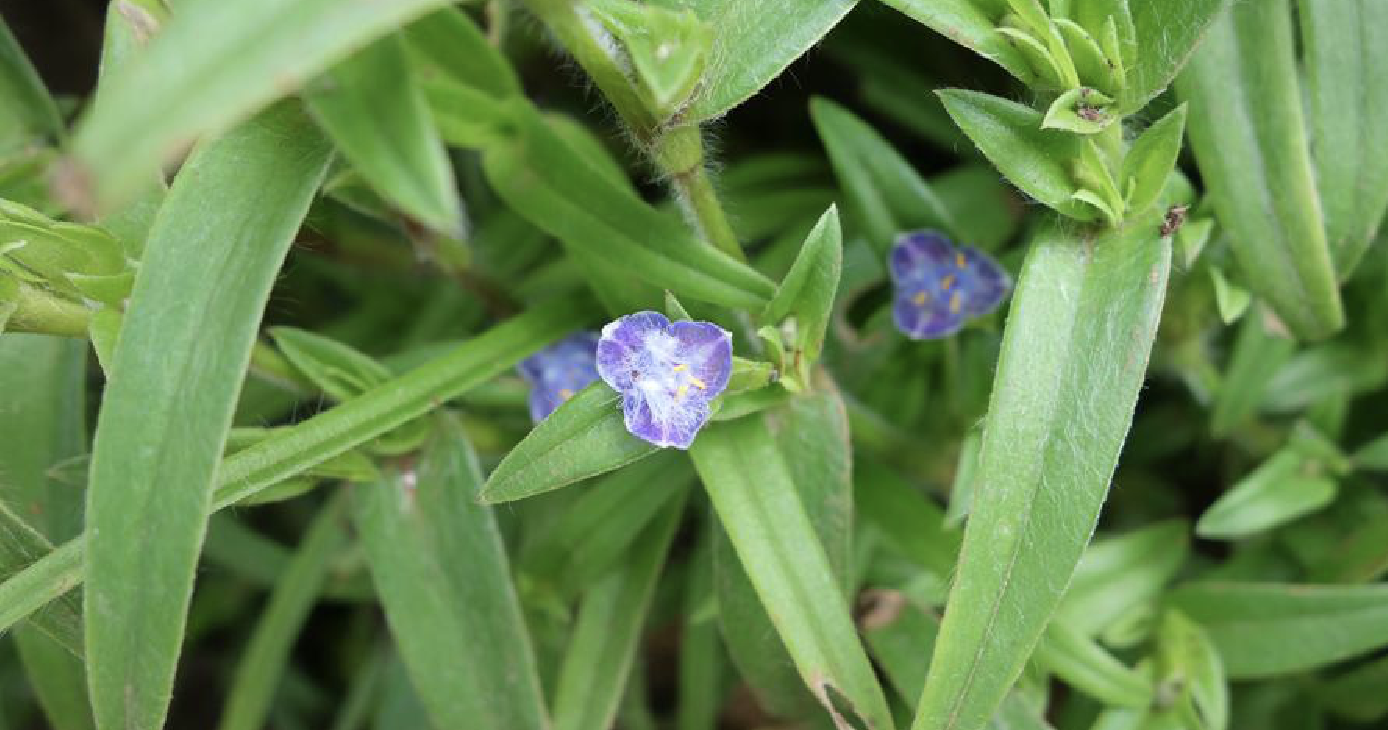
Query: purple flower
667	373
558	371
940	287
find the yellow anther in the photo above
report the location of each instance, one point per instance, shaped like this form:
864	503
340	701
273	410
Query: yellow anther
954	303
680	367
947	282
680	391
919	299
698	383
959	260
565	393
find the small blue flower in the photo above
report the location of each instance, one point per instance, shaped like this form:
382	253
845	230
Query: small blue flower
940	287
558	371
667	374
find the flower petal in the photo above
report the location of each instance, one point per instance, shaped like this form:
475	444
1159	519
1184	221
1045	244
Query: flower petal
925	318
622	349
662	422
984	283
919	254
707	350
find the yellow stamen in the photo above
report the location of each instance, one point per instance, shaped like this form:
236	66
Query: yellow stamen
680	367
680	391
959	260
947	282
919	299
954	303
698	383
565	393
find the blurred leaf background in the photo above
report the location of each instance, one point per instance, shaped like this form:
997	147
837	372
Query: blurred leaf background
267	268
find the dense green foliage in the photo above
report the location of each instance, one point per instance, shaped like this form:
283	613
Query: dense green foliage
269	293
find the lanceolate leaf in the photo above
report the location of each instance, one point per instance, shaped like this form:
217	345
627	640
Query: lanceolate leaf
26	110
214	64
41	424
811	433
375	112
1270	629
1166	34
972	24
1039	161
881	186
609	624
296	449
1074	355
1275	493
752	44
550	183
266	657
808	290
1247	132
441	570
756	500
583	438
1345	51
210	262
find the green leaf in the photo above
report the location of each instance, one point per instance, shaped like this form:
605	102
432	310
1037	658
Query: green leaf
1345	48
902	636
213	65
1150	161
209	265
584	437
1083	111
1260	350
807	292
1163	37
1373	455
446	44
882	188
609	624
752	44
1188	662
334	368
1074	352
1080	662
1121	574
701	662
266	658
1040	162
1247	133
971	23
757	503
912	524
1272	629
31	592
549	182
1277	492
296	449
441	570
27	111
43	378
601	526
1231	299
1317	374
811	433
668	50
376	114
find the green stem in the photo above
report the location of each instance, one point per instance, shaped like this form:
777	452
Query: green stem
679	153
579	33
43	312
